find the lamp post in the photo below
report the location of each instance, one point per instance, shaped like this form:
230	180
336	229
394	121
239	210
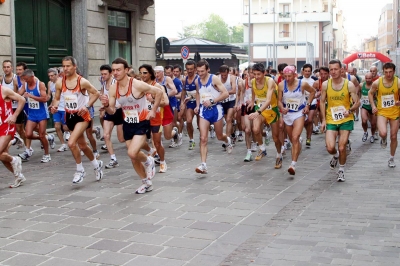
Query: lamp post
306	41
249	59
273	47
295	39
315	46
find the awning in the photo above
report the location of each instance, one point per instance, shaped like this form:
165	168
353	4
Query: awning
202	55
242	56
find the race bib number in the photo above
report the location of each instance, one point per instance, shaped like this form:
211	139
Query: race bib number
33	104
205	97
387	101
131	116
338	113
71	102
149	105
364	100
293	104
192	95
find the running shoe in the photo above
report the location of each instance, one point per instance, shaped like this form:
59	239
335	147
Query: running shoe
391	163
67	134
147	186
102	138
292	170
163	168
151	168
99	171
261	153
78	177
201	169
267	138
24	156
383	143
20	142
240	137
249	157
212	132
104	147
18	181
63	147
157	159
173	144
46	158
340	176
191	145
348	146
376	136
97	132
372	139
51	140
333	163
229	148
308	143
17	166
355	118
179	139
278	163
112	164
365	137
224	146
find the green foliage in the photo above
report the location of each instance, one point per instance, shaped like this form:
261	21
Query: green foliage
214	29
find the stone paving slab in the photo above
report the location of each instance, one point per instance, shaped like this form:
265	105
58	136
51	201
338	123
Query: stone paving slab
239	214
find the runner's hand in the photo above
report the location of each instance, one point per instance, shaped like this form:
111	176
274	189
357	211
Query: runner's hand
196	110
374	110
151	114
253	115
11	120
284	110
322	127
104	100
82	111
54	109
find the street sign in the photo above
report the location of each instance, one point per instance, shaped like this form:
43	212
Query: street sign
185	52
162	45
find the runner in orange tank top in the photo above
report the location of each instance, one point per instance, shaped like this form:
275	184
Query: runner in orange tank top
131	94
75	90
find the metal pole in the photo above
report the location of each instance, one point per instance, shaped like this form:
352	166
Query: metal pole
306	42
249	35
274	60
162	48
295	39
266	56
315	46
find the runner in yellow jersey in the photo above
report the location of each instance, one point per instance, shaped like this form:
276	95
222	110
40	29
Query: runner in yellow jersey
387	109
336	96
265	95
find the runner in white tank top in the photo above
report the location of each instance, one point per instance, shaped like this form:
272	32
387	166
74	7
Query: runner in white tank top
131	94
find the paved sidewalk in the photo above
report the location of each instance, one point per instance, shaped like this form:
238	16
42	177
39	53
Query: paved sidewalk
239	214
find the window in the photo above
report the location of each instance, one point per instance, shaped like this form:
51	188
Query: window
286	8
119	35
286	30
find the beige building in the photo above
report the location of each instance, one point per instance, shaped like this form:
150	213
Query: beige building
370	45
42	32
385	30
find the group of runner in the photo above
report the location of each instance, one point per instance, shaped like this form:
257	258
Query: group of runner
164	102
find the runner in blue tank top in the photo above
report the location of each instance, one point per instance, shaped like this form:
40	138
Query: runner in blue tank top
188	99
35	92
210	93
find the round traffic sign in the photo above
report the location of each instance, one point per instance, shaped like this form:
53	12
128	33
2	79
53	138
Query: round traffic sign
185	52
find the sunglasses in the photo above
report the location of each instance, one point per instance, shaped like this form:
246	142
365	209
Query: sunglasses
143	73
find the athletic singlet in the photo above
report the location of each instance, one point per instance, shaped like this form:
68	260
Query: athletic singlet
248	92
387	97
228	87
261	94
106	92
157	120
191	88
364	98
338	101
293	100
74	99
36	108
134	109
172	99
11	86
53	93
5	112
207	91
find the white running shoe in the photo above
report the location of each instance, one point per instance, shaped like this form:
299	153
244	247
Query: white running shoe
97	132
112	164
179	139
67	134
340	176
63	147
212	132
391	163
150	169
376	136
96	155
78	177
20	142
147	186
51	140
173	144
201	169
163	168
46	158
18	181
99	171
17	166
254	146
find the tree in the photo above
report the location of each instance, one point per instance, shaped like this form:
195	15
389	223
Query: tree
214	29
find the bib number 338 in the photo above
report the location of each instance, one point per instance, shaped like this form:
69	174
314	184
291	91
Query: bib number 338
131	116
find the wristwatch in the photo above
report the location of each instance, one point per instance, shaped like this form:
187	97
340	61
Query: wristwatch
211	101
87	106
258	111
308	104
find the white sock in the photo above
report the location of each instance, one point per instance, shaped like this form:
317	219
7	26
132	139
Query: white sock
248	151
229	140
341	167
95	163
13	160
294	163
391	157
79	167
162	162
278	155
113	157
205	165
262	147
148	161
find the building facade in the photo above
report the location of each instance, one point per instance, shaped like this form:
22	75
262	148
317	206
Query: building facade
300	30
385	30
42	32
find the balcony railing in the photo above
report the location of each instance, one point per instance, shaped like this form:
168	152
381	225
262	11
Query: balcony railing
284	34
284	15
